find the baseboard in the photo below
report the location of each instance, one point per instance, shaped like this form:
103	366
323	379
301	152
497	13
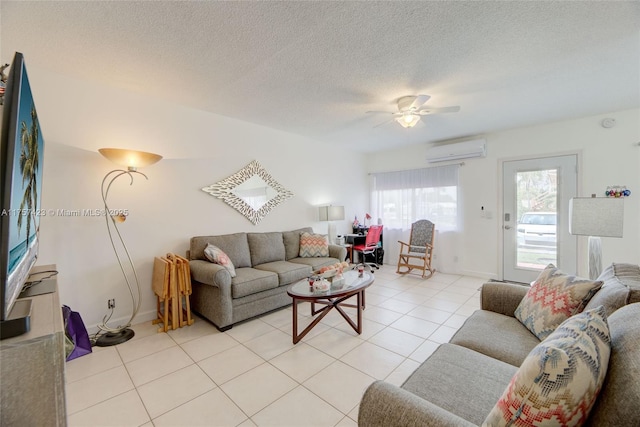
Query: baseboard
479	274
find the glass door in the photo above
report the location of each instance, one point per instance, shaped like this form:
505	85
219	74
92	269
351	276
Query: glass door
536	221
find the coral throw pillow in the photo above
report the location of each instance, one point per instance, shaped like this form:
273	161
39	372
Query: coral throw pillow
553	298
313	245
558	382
217	256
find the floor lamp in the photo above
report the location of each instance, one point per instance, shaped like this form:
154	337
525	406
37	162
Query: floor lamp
132	160
596	217
331	213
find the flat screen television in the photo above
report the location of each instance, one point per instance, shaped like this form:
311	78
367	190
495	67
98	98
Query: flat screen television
21	160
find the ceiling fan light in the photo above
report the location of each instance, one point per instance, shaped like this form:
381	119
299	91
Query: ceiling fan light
408	120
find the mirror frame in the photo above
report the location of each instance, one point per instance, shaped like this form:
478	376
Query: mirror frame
224	190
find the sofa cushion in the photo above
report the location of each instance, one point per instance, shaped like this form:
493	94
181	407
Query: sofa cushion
621	287
511	345
250	280
292	242
553	298
235	246
461	381
611	296
217	256
617	404
629	275
288	272
313	245
265	247
560	379
315	263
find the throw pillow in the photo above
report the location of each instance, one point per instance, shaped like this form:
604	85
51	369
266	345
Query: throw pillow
313	245
217	256
558	382
553	298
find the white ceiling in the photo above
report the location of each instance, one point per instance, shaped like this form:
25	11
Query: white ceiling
313	68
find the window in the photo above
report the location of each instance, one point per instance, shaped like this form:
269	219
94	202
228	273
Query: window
401	198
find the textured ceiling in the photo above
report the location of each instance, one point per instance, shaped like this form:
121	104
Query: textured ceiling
313	68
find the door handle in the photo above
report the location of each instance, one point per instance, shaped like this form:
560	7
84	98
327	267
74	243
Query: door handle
507	227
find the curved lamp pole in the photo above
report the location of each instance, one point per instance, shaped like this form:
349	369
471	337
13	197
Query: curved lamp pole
132	160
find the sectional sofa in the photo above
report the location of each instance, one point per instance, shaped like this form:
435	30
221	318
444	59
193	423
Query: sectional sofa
459	384
265	264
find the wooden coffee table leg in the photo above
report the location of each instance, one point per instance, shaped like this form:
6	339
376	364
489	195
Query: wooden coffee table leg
295	319
297	337
360	308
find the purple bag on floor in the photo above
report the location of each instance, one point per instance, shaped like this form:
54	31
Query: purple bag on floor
76	333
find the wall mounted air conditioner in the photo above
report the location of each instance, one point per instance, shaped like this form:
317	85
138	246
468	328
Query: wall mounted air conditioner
457	151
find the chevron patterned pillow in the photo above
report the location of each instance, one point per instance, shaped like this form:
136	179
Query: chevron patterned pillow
559	381
553	298
313	245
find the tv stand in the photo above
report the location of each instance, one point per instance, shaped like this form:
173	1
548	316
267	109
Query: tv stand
18	321
32	365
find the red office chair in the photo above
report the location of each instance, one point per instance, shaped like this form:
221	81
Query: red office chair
370	246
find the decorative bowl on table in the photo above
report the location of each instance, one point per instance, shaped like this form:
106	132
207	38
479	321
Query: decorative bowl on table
329	274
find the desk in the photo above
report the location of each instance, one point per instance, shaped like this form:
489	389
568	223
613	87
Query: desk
349	248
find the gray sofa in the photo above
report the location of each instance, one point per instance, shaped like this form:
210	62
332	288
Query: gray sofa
462	380
265	264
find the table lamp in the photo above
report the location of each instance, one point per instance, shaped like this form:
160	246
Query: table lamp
331	213
596	217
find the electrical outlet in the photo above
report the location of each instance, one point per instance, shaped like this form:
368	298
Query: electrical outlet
111	303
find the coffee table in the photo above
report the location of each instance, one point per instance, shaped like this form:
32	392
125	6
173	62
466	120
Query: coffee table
353	285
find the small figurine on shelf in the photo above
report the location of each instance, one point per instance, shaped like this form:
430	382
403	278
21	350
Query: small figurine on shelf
356	223
617	191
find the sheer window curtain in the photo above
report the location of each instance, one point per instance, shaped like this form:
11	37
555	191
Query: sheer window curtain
400	198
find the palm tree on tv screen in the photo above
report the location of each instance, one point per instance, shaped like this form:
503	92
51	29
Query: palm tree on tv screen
29	169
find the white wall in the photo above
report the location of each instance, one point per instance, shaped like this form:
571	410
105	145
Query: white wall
169	208
608	157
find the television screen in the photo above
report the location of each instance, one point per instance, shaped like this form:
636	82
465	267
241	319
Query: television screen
21	159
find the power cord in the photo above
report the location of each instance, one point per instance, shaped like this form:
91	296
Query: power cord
94	338
29	283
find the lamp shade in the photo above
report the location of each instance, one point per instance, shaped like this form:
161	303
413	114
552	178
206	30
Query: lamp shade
130	158
596	216
408	120
331	213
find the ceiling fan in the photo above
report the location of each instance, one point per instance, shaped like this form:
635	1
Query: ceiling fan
410	108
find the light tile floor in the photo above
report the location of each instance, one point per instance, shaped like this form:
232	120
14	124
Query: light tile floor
252	375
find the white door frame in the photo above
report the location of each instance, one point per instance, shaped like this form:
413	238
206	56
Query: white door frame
501	208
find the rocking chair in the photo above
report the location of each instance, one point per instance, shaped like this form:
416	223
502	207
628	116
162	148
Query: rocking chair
417	253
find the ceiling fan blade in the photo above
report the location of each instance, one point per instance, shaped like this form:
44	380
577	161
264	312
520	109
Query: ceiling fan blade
383	123
396	113
425	111
379	112
419	101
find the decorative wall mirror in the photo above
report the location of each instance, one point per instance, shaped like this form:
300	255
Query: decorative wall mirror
252	191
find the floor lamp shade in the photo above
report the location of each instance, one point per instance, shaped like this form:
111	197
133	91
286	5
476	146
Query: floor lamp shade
130	159
596	217
331	213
